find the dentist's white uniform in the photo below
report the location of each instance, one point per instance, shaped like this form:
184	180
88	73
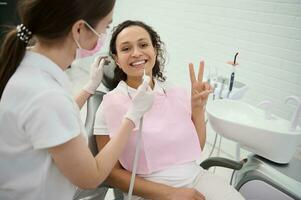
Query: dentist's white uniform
37	111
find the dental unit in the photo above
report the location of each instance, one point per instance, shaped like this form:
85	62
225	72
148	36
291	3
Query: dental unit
271	171
236	89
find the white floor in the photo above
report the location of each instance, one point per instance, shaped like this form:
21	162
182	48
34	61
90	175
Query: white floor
79	76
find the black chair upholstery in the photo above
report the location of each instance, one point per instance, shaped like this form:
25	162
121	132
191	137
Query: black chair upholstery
221	162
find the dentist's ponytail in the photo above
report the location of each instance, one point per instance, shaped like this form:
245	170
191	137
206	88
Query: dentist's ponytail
11	54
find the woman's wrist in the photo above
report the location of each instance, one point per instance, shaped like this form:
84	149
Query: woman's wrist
198	112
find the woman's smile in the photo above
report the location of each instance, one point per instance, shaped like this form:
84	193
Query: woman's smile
138	63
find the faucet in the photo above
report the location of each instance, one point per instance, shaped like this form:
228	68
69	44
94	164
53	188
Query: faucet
267	105
297	113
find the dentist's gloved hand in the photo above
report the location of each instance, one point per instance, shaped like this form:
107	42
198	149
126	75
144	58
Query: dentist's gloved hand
96	74
141	103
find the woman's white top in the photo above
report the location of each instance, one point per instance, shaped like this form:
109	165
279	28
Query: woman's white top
178	176
37	112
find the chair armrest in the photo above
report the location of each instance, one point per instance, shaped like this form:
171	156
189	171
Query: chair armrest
221	162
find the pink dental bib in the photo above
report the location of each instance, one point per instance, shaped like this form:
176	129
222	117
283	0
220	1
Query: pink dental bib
168	133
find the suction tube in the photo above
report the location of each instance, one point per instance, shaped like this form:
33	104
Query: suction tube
135	162
137	153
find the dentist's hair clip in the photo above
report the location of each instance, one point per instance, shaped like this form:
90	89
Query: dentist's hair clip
23	33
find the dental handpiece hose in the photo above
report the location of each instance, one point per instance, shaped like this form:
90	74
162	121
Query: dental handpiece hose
137	153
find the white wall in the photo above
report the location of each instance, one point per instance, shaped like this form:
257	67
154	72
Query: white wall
267	34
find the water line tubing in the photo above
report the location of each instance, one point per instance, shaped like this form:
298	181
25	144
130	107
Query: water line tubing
135	162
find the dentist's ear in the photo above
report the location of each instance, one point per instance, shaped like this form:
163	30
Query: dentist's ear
77	29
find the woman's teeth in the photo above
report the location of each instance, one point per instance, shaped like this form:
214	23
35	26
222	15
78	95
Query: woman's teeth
138	63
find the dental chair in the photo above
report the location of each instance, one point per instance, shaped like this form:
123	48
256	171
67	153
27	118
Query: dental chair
256	178
92	106
100	193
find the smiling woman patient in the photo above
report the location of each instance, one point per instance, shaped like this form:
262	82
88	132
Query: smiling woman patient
173	131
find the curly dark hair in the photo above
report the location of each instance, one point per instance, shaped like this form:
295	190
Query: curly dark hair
156	42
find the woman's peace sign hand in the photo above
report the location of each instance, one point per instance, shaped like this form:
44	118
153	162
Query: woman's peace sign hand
199	89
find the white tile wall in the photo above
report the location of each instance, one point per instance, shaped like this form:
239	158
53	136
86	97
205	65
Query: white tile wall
267	33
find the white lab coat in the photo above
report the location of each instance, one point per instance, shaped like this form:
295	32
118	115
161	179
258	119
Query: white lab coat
37	112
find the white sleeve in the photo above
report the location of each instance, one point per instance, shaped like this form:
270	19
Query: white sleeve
100	126
50	119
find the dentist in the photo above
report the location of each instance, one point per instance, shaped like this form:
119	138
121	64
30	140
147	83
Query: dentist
43	145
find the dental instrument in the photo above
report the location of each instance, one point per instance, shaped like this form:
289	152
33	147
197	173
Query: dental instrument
137	152
213	92
220	95
209	76
232	75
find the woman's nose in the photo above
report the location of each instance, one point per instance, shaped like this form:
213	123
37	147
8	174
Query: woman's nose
136	52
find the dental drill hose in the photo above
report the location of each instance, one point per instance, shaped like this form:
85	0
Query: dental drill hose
137	153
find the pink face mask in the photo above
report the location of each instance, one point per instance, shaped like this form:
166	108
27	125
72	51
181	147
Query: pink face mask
82	53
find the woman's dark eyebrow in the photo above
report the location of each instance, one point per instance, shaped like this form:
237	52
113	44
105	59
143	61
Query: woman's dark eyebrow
126	42
142	39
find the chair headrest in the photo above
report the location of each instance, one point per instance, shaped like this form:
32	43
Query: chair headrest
108	73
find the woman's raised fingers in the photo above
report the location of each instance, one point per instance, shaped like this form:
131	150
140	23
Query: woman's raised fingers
191	73
201	71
